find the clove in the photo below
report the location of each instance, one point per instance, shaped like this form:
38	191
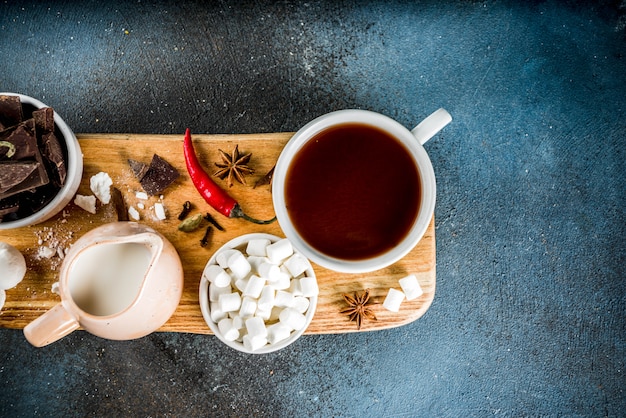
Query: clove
185	211
207	234
209	218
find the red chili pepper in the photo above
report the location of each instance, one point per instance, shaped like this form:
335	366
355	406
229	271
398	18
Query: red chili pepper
209	190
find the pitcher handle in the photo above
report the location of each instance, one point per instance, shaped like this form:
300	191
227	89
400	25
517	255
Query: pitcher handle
431	125
51	326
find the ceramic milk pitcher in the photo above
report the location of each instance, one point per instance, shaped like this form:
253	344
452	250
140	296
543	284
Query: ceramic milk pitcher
119	281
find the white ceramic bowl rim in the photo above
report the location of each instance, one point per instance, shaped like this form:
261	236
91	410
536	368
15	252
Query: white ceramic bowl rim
205	303
427	183
74	171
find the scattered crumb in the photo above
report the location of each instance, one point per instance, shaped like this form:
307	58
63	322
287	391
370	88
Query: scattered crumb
132	212
87	203
159	210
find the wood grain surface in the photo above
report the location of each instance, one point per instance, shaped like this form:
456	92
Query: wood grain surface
110	152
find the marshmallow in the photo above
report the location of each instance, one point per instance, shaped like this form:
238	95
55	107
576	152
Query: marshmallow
229	302
238	265
278	332
279	250
301	304
296	264
12	266
248	307
222	258
253	343
292	318
215	292
266	300
269	271
228	330
256	327
264	314
238	322
393	300
255	262
217	275
282	283
242	283
254	286
308	286
216	313
411	287
257	247
283	299
294	287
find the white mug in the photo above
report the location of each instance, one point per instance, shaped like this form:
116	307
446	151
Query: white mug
411	140
120	281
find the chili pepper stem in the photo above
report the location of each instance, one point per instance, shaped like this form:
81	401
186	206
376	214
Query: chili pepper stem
237	212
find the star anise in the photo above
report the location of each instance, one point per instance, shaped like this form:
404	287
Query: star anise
357	309
234	165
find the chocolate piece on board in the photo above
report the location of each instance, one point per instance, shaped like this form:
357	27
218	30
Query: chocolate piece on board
139	169
160	174
10	111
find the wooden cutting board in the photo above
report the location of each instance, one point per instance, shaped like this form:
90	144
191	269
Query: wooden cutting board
110	152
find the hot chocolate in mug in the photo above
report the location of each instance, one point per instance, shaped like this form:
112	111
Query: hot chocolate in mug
119	281
354	190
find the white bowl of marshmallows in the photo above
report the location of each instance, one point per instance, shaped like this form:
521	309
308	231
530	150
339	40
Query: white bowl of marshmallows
258	294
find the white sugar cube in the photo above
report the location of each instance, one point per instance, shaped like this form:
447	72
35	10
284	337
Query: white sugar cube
270	271
296	264
133	213
216	313
308	286
228	330
254	343
248	307
393	300
222	257
279	250
238	265
411	287
283	299
216	291
301	304
256	327
266	300
278	332
159	211
257	247
292	318
87	203
229	302
216	275
254	286
100	184
282	283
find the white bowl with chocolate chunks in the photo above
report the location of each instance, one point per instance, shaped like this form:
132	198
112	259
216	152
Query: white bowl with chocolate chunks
41	163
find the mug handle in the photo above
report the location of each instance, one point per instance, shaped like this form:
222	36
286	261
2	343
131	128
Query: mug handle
50	327
431	125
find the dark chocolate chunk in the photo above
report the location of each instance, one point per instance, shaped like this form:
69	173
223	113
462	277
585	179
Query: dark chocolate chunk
44	121
8	211
53	153
10	110
23	142
119	204
160	174
139	169
12	174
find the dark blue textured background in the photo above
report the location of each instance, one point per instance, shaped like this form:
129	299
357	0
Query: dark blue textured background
529	313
